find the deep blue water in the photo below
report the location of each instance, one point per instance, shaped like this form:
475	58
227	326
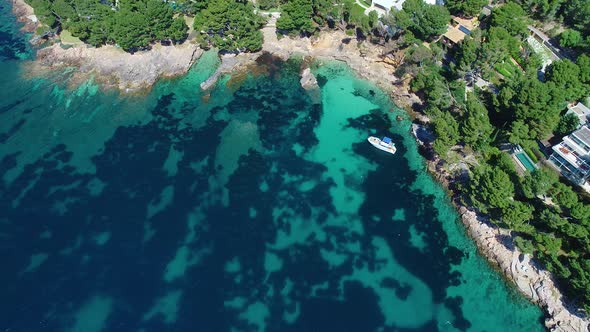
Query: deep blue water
246	208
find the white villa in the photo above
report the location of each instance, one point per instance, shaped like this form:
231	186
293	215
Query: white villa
384	6
572	156
581	111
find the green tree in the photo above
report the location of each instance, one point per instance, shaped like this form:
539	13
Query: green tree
491	187
446	129
64	11
566	76
517	215
130	30
538	183
511	17
577	12
526	246
476	130
570	38
501	160
583	62
160	16
551	219
424	20
373	19
549	244
580	278
467	8
500	46
567	124
296	17
434	86
581	211
544	9
230	25
535	104
519	132
43	12
178	31
268	4
564	195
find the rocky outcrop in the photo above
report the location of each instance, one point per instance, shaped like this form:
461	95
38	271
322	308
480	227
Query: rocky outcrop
537	284
126	71
308	80
310	84
109	64
336	45
230	63
423	134
24	14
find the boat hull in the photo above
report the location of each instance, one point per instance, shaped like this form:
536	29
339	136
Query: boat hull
382	146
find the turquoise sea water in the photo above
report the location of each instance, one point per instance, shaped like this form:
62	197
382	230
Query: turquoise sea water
246	208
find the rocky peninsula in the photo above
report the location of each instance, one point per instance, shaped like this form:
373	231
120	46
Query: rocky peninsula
109	65
115	68
130	72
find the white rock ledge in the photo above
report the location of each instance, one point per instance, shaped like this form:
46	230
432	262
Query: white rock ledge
114	67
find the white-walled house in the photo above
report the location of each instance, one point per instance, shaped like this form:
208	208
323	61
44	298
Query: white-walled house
581	111
572	156
385	6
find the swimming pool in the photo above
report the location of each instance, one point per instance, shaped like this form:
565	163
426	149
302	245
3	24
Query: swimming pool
526	161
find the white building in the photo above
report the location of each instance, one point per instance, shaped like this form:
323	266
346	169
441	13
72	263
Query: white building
572	156
384	6
581	111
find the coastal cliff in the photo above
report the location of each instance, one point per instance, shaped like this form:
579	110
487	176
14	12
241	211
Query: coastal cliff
497	246
537	284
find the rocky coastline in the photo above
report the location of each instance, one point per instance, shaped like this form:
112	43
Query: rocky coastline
115	68
497	246
329	46
108	65
132	72
25	15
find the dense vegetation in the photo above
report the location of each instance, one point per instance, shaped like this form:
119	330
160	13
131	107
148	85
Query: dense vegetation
305	17
575	14
546	216
229	25
131	24
468	8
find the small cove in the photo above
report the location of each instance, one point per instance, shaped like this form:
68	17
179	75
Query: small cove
244	208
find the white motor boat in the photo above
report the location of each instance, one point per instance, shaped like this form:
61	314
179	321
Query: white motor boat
384	144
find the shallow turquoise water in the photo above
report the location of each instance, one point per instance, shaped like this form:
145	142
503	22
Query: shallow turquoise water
245	208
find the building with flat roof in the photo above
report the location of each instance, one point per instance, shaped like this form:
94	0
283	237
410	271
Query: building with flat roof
581	111
385	6
572	156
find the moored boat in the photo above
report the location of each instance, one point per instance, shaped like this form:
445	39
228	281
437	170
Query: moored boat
384	144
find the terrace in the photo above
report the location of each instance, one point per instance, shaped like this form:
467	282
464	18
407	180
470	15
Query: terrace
572	156
541	45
